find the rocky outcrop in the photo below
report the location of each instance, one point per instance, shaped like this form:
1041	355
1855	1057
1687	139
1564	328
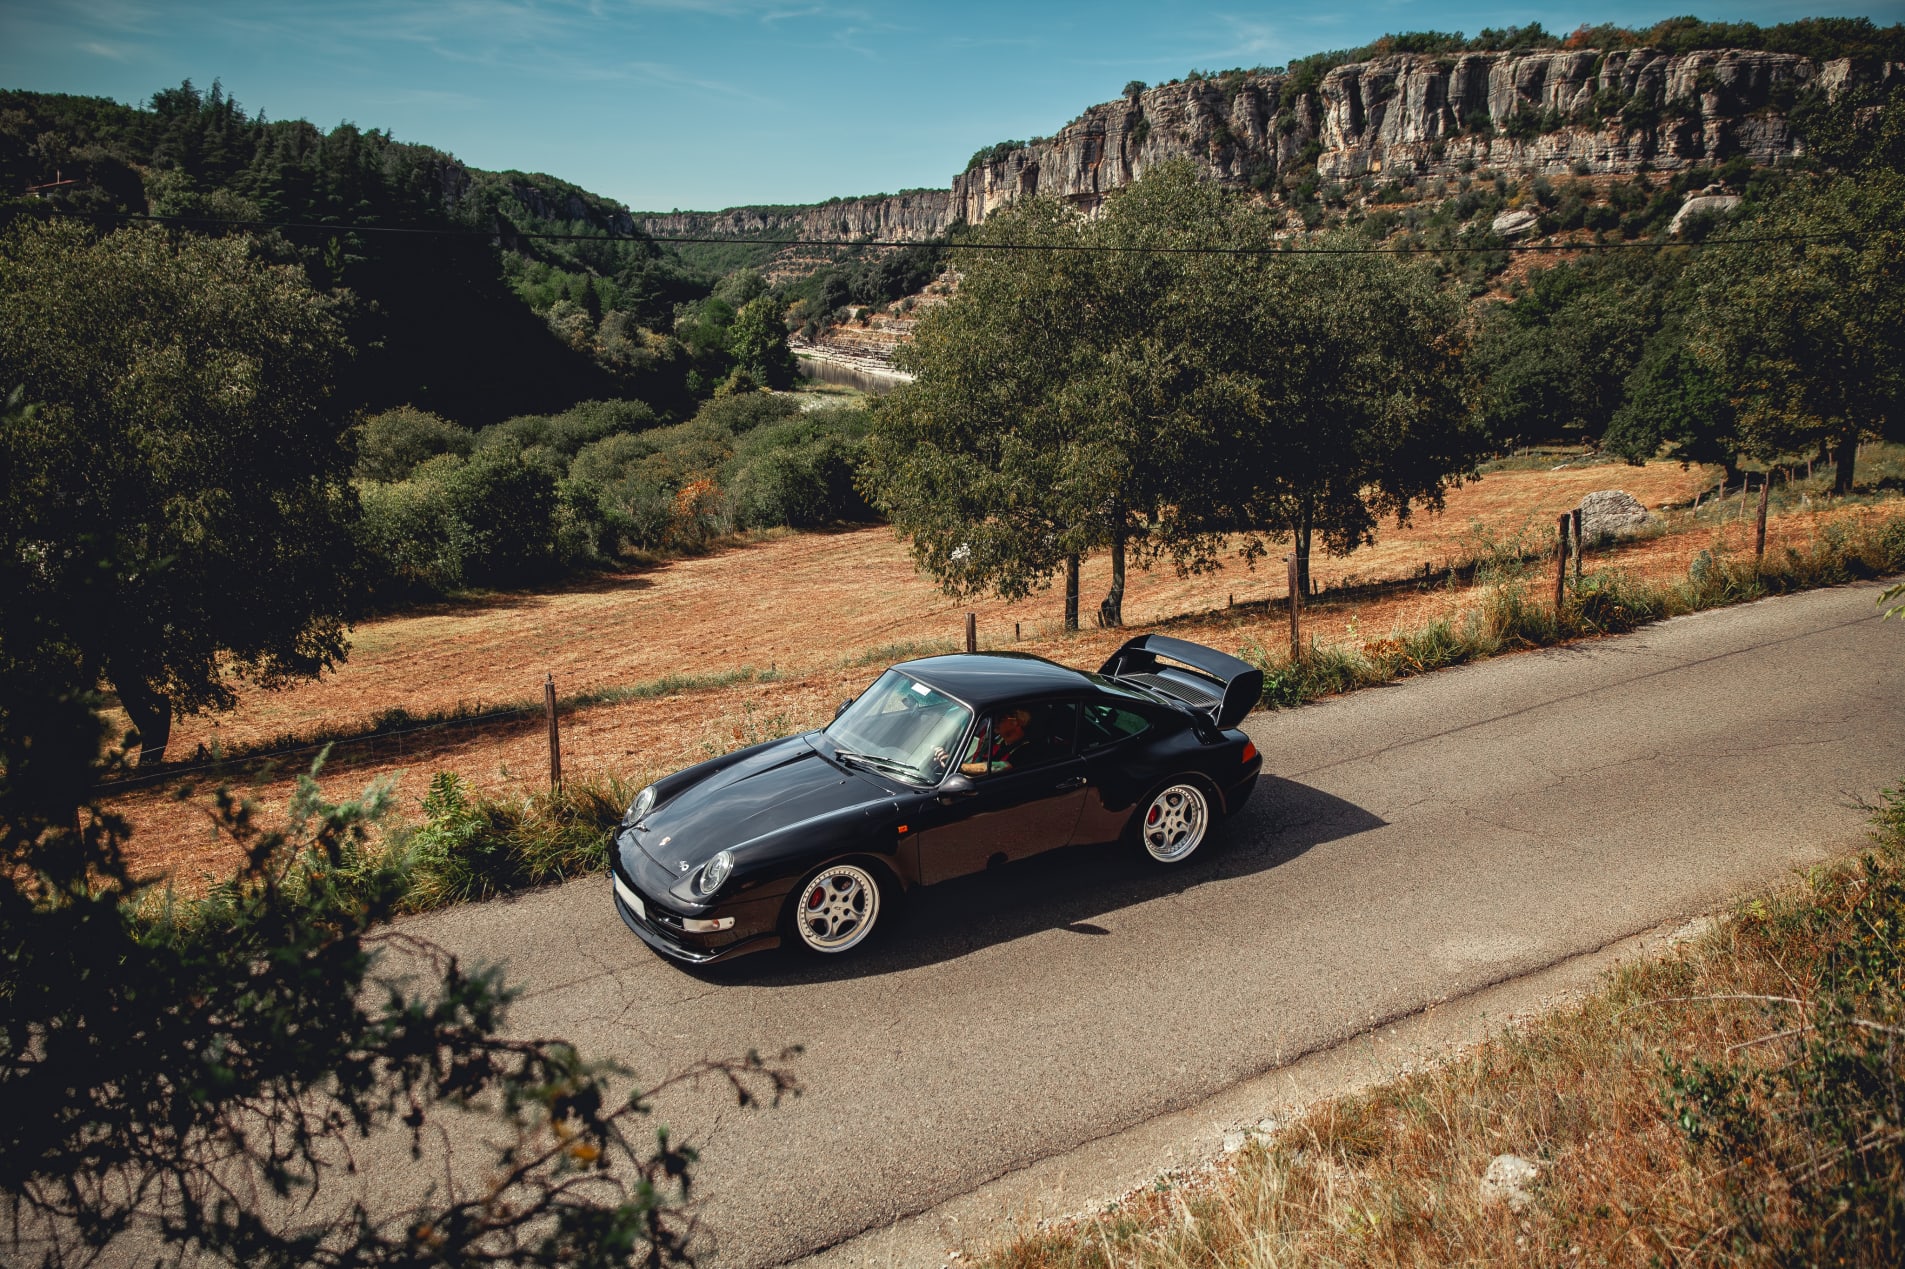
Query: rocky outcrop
1547	112
912	216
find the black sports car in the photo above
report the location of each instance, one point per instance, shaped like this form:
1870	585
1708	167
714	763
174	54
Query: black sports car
945	766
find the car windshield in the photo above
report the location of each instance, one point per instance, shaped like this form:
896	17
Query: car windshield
902	726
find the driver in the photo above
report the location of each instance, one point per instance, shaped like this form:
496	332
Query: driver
1008	740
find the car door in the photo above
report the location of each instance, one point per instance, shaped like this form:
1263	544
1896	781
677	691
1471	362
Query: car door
1111	749
1013	813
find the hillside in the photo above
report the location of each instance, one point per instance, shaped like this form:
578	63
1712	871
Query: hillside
448	291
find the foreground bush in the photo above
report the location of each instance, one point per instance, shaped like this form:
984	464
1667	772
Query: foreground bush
182	1078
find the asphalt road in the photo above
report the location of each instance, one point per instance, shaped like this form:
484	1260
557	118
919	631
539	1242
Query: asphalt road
1407	845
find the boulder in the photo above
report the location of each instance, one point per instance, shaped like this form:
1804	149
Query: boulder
1702	205
1612	513
1509	1180
1513	224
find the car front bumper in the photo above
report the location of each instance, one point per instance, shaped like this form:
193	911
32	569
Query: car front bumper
662	925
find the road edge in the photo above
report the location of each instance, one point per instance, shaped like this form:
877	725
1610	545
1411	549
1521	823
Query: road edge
1096	1173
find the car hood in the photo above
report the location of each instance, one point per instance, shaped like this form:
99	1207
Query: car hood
773	788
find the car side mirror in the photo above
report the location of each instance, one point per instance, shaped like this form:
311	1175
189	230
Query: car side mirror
841	708
956	785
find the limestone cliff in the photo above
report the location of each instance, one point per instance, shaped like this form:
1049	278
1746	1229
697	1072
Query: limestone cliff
1534	112
912	216
1404	114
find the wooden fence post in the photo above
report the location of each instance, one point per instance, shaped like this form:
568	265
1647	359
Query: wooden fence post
972	632
555	736
1296	611
1580	547
1759	532
1560	562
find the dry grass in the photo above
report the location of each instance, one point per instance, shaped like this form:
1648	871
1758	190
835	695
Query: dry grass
1392	1176
769	635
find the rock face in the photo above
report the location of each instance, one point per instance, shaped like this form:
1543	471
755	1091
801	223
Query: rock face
914	216
1612	513
1548	112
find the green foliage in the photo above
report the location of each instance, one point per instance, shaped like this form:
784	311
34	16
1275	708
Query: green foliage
184	1078
1157	402
758	343
184	429
470	848
439	321
994	153
1809	332
800	472
392	444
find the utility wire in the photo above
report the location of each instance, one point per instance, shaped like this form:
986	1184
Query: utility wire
955	245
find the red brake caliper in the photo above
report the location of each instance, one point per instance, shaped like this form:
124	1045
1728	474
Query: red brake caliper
1152	818
819	896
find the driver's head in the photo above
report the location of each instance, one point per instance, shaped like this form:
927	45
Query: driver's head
1012	725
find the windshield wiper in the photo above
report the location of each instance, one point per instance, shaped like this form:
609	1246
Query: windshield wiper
874	761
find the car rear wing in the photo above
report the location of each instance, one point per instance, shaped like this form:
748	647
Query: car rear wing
1203	678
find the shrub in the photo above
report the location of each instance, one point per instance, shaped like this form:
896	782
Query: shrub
799	472
391	445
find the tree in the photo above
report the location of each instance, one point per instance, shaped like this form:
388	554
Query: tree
183	422
1672	398
758	343
1110	389
1337	379
972	460
196	1073
1806	325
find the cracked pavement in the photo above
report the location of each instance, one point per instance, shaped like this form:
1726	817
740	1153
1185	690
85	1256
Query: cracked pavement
1408	844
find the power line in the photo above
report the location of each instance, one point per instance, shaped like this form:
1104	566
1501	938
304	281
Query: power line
955	245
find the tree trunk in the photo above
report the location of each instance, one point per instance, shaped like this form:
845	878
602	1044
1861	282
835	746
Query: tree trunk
1845	456
1305	530
151	716
1071	592
1111	611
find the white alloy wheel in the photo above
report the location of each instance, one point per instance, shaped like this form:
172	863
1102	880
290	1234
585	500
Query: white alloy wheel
836	909
1174	824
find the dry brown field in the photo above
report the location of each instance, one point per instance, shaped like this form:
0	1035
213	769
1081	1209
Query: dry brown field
820	614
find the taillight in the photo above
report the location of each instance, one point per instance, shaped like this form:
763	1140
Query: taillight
1250	750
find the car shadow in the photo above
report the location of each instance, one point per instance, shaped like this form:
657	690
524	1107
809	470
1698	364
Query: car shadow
1063	890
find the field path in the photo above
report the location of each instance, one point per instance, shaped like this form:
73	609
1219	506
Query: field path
1409	845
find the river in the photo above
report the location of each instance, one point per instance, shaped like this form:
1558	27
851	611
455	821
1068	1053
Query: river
829	370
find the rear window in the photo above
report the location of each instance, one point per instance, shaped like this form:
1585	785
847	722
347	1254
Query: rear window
1101	724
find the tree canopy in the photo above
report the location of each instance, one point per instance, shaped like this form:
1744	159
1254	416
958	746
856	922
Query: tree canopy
185	431
1102	390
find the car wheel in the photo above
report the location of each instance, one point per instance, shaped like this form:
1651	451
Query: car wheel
836	909
1175	822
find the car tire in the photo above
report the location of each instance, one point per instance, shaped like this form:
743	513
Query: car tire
836	908
1171	824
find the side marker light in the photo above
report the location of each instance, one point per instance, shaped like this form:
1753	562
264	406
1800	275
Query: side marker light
1250	750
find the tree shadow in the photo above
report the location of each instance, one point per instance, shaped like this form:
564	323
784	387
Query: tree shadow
1063	890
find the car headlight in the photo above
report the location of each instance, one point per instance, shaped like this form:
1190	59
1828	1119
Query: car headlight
714	872
643	804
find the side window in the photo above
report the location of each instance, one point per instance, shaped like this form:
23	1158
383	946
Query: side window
1105	724
1022	737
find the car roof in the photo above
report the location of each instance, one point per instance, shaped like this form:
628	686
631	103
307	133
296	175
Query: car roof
981	679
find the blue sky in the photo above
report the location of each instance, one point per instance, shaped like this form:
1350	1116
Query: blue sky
712	103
